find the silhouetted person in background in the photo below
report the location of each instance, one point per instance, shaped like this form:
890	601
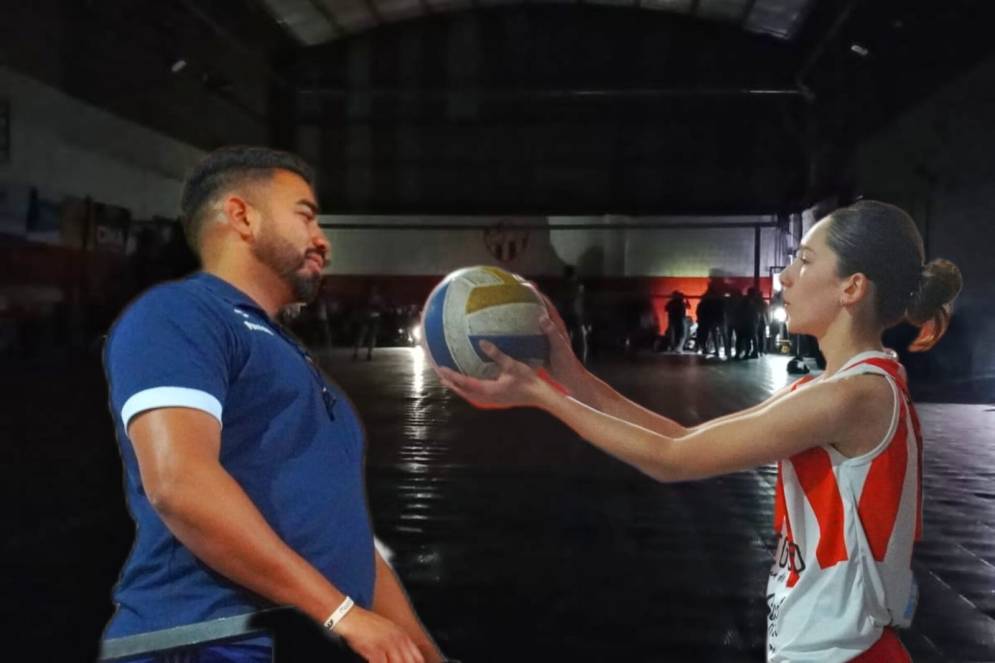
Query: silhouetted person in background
322	333
743	326
573	309
728	302
369	323
760	315
709	319
676	310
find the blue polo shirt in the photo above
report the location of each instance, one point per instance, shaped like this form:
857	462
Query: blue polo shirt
292	441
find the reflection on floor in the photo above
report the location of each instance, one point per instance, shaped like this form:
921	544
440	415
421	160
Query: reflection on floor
516	541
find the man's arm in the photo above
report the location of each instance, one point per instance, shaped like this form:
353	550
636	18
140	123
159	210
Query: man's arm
209	513
391	601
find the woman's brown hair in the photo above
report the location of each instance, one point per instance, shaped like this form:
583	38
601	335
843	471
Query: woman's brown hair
882	242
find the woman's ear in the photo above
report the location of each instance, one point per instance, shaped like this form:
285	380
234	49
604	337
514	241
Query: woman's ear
856	288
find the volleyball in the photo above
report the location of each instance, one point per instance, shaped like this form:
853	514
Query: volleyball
481	303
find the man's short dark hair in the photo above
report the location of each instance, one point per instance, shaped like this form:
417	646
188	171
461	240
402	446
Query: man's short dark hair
228	167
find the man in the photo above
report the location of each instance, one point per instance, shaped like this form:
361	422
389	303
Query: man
369	323
243	467
573	309
676	309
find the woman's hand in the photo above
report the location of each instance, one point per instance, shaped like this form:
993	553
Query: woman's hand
564	367
517	385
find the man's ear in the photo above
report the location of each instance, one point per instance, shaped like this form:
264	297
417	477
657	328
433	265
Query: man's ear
240	215
856	288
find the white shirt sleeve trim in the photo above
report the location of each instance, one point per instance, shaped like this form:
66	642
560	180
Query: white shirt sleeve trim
157	397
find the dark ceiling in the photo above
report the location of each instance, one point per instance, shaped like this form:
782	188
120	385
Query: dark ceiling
313	22
654	107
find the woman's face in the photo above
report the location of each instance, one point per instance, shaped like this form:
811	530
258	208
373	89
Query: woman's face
812	288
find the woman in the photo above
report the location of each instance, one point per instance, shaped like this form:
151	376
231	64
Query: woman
847	443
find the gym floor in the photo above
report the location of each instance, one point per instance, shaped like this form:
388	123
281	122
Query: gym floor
516	540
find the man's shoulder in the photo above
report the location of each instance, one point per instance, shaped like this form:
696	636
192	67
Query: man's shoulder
181	289
183	299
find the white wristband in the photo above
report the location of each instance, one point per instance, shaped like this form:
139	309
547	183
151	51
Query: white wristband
340	612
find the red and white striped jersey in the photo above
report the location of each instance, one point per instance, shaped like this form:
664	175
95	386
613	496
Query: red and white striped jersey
846	527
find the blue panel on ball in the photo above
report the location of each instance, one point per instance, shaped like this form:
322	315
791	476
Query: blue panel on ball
435	333
519	347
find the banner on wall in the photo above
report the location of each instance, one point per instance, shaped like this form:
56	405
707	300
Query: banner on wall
15	200
110	225
93	226
43	219
73	221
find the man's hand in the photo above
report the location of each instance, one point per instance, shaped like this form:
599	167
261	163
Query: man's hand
376	639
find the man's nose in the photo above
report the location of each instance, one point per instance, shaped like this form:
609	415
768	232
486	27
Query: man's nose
320	241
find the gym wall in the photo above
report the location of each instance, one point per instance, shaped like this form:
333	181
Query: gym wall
66	147
936	162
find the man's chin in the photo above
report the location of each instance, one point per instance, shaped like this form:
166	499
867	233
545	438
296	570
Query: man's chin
306	286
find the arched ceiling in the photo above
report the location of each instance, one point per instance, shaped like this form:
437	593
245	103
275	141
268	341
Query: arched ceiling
313	22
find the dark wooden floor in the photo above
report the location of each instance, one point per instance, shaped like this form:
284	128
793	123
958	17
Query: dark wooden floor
517	541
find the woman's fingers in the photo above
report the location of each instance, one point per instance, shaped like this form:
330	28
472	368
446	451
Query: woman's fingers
550	328
504	362
553	313
458	379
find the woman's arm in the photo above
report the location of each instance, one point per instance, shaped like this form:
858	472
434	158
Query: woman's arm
604	398
566	369
594	392
763	435
818	415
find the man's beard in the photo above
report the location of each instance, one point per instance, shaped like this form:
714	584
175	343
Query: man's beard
279	255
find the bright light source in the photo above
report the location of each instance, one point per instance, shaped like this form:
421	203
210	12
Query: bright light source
859	50
779	314
178	66
417	371
416	333
777	283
